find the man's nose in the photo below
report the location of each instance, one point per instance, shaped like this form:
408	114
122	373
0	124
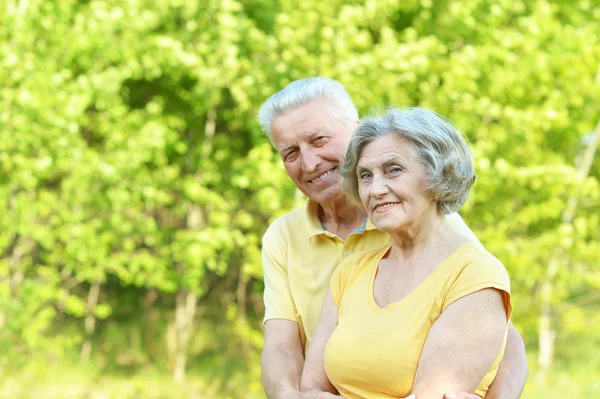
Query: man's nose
310	162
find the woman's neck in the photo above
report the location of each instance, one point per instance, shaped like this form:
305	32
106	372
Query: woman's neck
425	236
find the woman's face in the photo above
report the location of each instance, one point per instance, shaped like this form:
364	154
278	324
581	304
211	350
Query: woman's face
392	185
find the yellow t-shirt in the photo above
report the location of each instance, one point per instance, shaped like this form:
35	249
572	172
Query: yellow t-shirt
374	352
299	257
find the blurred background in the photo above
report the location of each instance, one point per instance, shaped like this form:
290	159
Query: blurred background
135	183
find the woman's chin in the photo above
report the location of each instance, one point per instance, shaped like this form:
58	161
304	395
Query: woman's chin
391	226
386	228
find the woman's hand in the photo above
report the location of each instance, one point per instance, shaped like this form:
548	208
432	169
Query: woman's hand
460	395
319	395
316	394
453	395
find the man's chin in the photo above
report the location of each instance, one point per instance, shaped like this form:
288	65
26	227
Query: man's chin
329	194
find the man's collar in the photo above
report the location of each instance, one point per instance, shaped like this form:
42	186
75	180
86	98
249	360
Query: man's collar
315	227
370	226
312	216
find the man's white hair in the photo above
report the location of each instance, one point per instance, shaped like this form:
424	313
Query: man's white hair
301	92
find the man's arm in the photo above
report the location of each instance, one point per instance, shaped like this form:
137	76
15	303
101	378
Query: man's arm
314	376
282	362
512	372
282	359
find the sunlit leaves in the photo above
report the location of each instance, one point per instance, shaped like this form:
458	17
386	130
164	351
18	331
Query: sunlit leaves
130	152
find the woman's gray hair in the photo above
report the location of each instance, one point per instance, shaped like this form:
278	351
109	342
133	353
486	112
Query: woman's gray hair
301	92
436	144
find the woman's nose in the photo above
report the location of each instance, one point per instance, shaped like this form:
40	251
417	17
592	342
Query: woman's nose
379	187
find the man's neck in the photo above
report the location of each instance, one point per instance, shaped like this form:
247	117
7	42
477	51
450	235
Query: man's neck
341	217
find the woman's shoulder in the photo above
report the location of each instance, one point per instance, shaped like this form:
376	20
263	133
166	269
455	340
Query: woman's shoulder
354	268
367	256
360	261
475	264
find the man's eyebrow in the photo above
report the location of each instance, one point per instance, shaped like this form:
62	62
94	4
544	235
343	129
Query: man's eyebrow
314	132
311	134
285	148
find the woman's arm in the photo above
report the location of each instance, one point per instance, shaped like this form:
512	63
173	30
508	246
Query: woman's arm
314	377
462	345
512	372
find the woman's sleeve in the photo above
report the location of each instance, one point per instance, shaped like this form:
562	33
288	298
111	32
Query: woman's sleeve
484	271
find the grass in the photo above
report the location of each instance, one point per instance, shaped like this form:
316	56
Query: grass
76	381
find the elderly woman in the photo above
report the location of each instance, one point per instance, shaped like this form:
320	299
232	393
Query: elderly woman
428	313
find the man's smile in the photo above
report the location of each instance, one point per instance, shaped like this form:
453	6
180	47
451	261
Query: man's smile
322	177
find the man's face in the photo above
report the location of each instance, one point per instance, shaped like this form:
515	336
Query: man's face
312	141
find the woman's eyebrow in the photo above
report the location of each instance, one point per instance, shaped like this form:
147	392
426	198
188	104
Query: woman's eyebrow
393	160
387	162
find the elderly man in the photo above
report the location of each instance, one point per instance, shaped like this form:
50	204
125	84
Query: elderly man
310	123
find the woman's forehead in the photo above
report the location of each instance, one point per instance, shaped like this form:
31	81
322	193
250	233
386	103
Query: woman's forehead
385	149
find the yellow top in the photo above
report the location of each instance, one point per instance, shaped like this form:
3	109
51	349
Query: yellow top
374	352
299	257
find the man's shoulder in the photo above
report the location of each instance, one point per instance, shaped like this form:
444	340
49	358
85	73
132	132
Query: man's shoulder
284	224
289	220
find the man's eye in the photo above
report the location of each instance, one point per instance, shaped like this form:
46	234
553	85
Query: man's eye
319	140
289	156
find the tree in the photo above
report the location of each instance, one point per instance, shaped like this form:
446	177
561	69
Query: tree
135	183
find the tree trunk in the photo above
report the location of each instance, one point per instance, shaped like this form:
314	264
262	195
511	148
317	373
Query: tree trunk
241	295
90	320
16	269
185	307
241	308
184	319
68	282
150	319
210	128
547	333
171	343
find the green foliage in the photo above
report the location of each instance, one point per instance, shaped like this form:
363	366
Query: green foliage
130	157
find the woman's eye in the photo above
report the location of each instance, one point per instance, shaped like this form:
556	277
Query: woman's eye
364	175
395	169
